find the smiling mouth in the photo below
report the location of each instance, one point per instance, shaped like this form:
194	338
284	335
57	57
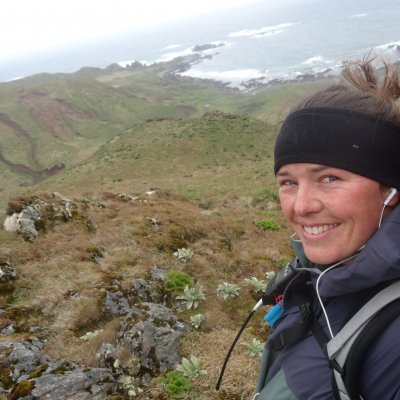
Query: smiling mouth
317	230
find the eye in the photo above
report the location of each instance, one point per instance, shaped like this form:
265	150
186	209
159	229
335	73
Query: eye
286	182
329	178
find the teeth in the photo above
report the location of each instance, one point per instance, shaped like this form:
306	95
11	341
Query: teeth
316	230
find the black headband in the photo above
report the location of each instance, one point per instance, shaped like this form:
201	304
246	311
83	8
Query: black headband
350	140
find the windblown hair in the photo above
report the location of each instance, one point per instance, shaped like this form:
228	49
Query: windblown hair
369	89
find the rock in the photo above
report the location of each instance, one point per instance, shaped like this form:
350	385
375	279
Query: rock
153	333
26	220
78	384
36	215
141	290
7	272
11	223
107	355
9	329
116	303
209	46
35	375
25	358
157	274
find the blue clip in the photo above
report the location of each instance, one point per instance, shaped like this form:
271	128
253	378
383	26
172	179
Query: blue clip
273	314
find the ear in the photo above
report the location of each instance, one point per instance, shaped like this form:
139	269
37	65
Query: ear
392	198
395	200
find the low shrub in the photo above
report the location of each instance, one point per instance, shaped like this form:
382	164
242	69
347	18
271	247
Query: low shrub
267	225
176	281
176	384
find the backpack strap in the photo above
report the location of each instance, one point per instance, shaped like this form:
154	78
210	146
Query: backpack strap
374	316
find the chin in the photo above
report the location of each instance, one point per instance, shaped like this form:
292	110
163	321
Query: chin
324	259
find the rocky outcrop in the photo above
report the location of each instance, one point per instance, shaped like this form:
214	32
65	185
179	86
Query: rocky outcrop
7	272
38	214
31	374
150	329
150	332
209	46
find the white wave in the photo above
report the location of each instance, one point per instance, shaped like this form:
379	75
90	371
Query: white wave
313	60
273	29
170	56
389	45
173	46
234	74
361	15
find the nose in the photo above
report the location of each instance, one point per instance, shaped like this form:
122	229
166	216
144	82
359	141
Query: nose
306	201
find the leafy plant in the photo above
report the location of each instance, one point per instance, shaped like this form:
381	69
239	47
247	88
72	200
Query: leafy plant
183	254
192	296
257	284
227	290
88	336
196	320
267	225
207	213
127	384
191	368
176	384
176	281
255	347
270	274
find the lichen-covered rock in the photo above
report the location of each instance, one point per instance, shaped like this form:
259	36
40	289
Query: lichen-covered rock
153	332
157	274
78	384
7	272
36	214
116	303
27	219
34	375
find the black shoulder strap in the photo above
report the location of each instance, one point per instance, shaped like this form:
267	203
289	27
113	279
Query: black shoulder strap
363	343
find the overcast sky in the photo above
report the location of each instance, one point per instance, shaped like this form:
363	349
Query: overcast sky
27	26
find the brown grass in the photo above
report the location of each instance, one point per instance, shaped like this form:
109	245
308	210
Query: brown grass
62	284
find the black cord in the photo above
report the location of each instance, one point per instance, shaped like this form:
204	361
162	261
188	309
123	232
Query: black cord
232	347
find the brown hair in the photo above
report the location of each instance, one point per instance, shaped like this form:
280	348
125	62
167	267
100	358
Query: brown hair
369	90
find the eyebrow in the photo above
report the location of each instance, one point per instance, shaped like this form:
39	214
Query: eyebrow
314	169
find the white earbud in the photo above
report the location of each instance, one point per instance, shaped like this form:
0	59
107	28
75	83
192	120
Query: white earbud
392	193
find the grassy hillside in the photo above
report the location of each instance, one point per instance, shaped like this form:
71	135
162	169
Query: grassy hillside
53	122
103	138
64	275
204	159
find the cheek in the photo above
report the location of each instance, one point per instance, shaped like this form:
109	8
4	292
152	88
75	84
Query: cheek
286	205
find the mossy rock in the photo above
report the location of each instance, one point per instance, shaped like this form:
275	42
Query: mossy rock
24	388
6	377
41	225
38	371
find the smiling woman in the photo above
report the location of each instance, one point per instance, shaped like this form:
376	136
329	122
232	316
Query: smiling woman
338	172
318	201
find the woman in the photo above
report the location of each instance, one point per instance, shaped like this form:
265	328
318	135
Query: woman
337	166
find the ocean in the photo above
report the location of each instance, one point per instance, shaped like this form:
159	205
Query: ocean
264	41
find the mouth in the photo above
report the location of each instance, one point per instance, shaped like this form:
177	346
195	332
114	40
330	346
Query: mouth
318	229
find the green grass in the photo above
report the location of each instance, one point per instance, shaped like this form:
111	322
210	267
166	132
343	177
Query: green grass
142	127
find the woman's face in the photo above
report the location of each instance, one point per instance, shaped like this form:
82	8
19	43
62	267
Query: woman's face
334	212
